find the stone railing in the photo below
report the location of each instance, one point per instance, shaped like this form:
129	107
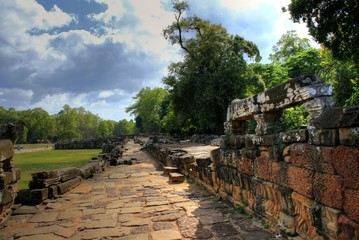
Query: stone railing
305	181
8	174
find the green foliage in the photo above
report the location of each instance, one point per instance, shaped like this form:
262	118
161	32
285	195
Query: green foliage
289	45
147	108
295	117
304	62
239	209
125	127
335	24
48	160
211	74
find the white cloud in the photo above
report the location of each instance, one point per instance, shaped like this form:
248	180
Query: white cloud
105	94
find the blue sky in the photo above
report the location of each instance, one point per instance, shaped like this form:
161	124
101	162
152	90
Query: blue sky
99	53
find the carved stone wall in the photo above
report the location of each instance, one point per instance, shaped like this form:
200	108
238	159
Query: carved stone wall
305	181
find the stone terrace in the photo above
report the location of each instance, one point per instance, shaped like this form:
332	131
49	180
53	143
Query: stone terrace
133	202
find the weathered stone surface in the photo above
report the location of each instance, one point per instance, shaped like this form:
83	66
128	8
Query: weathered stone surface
349	136
268	123
301	180
347	229
246	165
316	107
328	189
351	204
38	195
294	136
176	177
224	229
324	137
312	157
166	235
44	217
68	185
346	163
339	117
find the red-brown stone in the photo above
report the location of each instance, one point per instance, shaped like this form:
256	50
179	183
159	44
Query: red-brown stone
245	165
328	189
347	229
301	180
264	165
346	163
279	173
311	157
351	204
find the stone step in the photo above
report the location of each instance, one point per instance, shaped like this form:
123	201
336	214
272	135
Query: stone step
176	177
168	170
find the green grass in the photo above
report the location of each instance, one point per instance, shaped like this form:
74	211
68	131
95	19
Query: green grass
36	145
48	160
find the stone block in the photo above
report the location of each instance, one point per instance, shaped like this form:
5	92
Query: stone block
168	170
46	174
330	218
324	137
301	180
351	204
7	150
176	177
215	155
328	189
67	186
268	123
305	225
294	136
236	141
349	136
279	174
263	166
276	152
346	163
312	157
38	195
246	165
339	117
348	229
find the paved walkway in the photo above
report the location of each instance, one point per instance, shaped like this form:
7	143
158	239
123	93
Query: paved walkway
132	202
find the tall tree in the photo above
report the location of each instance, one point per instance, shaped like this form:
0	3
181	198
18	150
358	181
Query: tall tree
335	24
288	46
147	107
211	74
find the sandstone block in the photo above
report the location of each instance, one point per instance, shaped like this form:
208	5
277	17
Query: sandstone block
328	189
176	177
264	166
301	180
312	157
346	163
38	195
246	165
351	204
168	170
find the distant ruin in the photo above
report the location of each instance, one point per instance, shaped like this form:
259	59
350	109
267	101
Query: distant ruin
304	181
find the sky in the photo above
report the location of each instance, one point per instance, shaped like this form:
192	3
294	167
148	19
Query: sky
98	54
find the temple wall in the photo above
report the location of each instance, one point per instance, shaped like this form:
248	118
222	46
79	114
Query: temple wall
304	181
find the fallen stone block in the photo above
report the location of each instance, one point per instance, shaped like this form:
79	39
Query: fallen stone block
168	170
176	177
67	186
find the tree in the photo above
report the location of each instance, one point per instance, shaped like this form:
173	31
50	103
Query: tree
147	107
124	127
212	73
67	123
304	62
335	24
288	46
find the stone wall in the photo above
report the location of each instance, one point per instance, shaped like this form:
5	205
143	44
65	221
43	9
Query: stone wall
93	143
304	181
8	175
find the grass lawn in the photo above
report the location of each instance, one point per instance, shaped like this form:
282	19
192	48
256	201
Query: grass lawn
48	160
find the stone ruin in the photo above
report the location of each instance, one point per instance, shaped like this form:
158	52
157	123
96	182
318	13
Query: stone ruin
305	181
8	175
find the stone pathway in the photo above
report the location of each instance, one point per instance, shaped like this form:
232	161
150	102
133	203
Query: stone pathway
132	202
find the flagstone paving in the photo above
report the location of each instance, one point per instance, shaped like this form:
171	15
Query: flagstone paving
135	202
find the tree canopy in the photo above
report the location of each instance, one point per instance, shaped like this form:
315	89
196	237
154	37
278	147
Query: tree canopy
211	74
335	24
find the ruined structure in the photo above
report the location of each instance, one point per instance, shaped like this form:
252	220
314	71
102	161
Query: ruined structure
8	174
305	181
